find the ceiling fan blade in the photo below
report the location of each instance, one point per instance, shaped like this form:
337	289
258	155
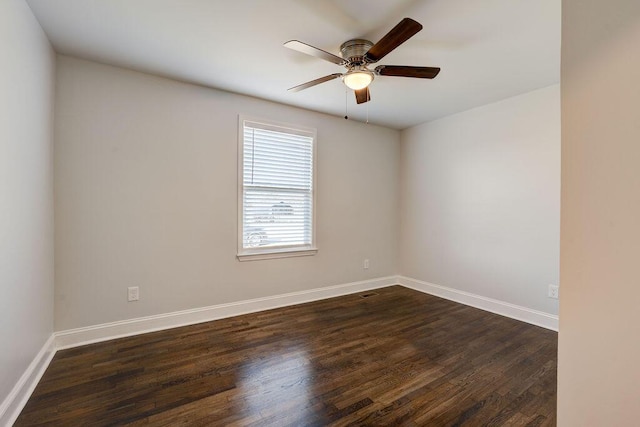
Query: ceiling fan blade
363	95
407	71
314	82
402	32
314	51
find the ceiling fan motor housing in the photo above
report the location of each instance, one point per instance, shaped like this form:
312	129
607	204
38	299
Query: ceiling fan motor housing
354	50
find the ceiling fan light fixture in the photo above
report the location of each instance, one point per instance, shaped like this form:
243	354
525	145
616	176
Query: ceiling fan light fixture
358	54
358	79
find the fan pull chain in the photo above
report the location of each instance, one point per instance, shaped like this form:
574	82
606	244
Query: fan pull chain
367	113
346	102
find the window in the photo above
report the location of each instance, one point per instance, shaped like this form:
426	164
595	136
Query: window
276	190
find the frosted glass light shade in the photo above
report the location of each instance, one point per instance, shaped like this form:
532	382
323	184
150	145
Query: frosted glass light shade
357	80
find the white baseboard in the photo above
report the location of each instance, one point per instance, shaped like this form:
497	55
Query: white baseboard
17	398
107	331
534	317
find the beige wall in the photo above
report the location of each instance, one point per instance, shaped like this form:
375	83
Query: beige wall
145	177
599	343
480	200
26	191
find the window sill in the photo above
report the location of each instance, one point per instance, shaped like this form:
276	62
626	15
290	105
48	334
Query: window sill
282	253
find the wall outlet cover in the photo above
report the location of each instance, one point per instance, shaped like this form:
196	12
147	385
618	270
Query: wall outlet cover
133	293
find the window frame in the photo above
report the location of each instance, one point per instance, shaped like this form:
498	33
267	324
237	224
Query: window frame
250	254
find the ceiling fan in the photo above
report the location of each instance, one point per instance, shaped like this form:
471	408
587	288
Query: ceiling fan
357	54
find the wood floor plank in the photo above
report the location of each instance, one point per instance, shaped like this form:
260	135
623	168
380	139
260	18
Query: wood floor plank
396	357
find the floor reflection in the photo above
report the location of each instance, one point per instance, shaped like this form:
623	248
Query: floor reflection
275	385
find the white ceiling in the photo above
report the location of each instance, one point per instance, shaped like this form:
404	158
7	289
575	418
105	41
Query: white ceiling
488	49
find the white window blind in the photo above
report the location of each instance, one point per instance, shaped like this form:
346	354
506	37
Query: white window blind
277	199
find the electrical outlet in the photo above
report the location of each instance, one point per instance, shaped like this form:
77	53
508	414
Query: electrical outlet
133	293
365	264
554	290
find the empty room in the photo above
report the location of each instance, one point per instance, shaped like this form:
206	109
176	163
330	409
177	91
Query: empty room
319	213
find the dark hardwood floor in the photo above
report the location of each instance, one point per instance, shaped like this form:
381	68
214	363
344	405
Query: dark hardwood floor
395	357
